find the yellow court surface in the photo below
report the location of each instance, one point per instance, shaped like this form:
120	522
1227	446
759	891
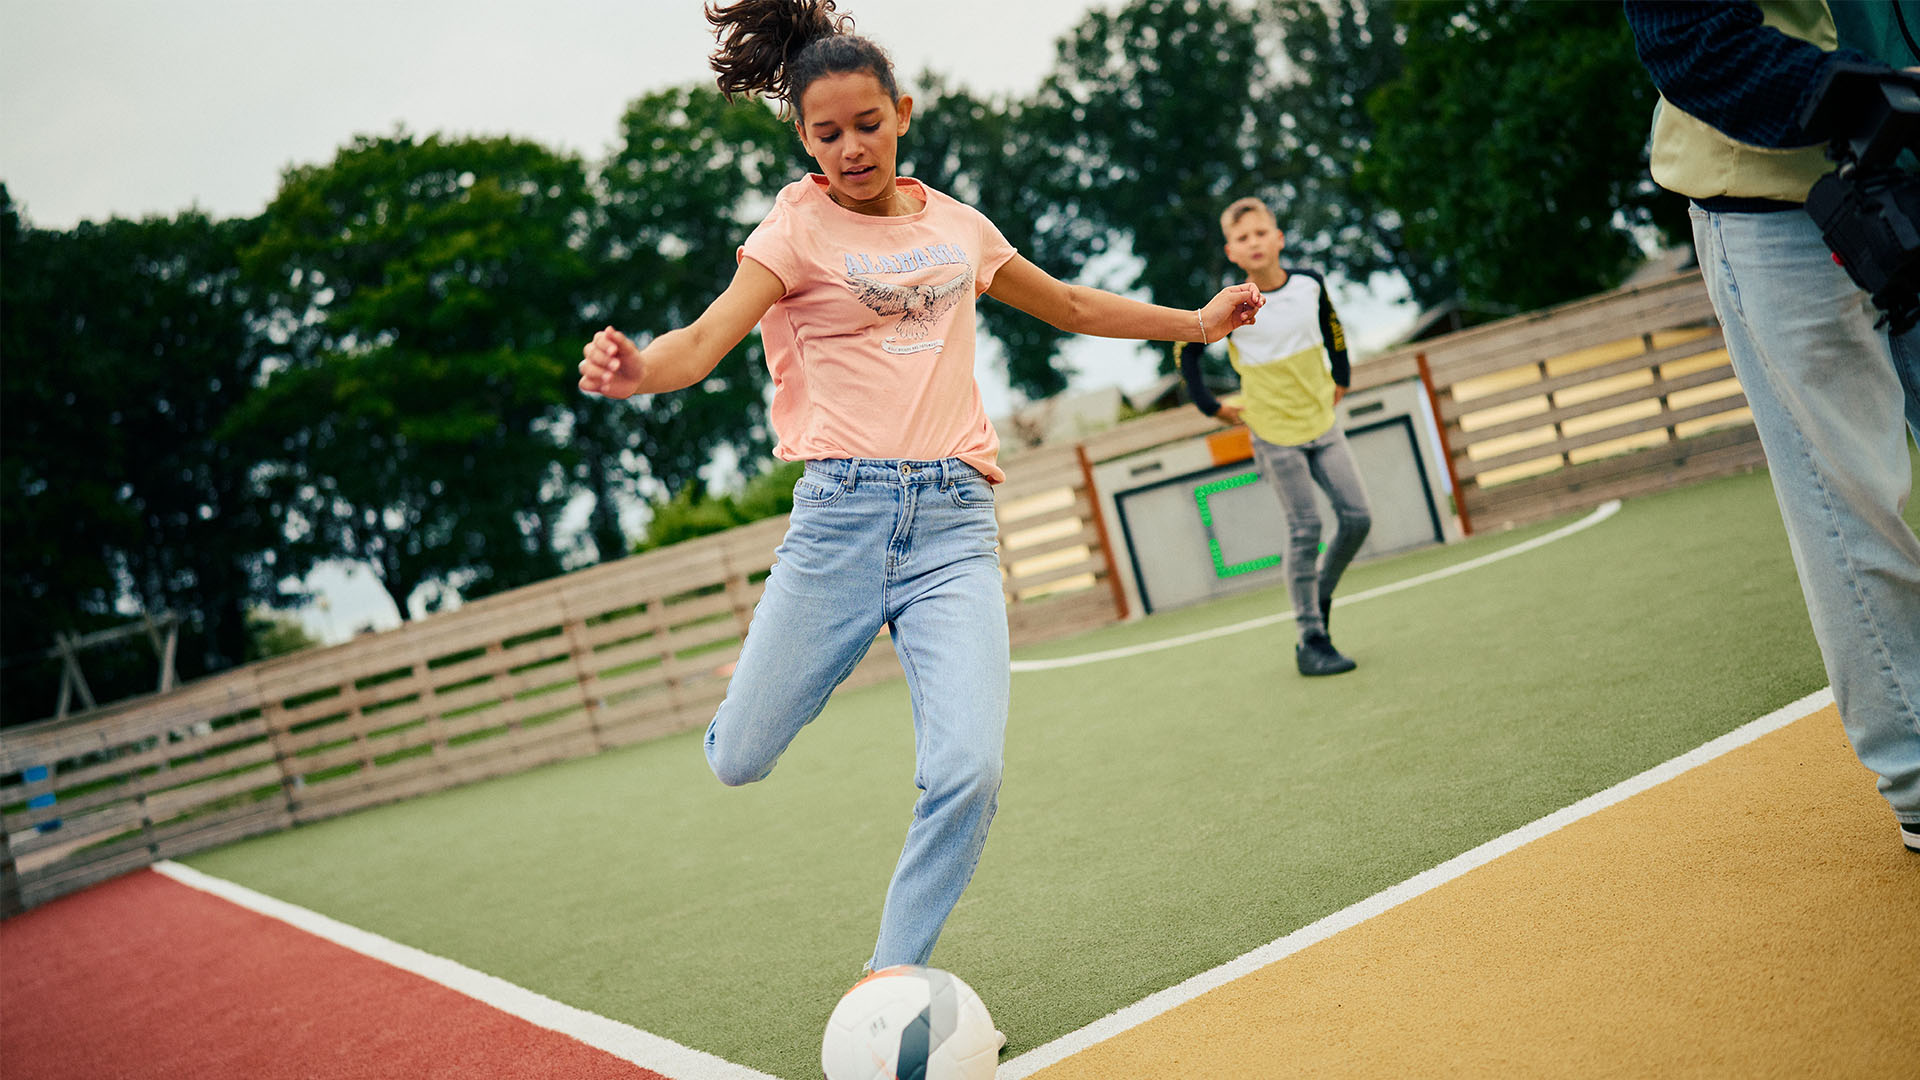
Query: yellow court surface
1755	916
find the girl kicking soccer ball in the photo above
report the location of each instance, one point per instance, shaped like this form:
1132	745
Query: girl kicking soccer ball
863	284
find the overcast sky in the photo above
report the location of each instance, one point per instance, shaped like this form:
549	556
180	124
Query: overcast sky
132	107
136	107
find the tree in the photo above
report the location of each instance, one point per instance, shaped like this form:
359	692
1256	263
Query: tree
425	297
1512	144
274	634
1154	119
1333	55
989	154
692	176
687	515
1435	141
127	345
63	521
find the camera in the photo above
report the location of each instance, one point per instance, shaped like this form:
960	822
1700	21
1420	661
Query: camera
1868	208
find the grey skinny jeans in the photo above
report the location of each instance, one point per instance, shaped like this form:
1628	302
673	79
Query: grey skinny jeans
1294	471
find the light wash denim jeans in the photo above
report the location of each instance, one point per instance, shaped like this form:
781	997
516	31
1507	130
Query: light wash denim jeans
911	545
1833	399
1294	471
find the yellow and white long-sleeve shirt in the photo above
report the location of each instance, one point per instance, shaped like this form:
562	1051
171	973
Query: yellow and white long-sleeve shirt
1289	360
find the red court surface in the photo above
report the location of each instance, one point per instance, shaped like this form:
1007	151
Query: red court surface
189	985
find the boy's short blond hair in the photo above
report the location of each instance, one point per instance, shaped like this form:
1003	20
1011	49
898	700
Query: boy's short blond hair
1240	208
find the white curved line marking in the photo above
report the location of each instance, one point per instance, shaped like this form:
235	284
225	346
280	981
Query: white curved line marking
685	1063
1600	514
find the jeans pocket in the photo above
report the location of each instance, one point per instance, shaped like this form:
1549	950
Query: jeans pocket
817	490
971	493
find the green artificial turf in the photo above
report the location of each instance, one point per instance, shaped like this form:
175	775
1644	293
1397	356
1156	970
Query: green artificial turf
1160	815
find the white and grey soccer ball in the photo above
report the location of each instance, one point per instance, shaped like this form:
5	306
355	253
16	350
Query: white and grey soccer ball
910	1023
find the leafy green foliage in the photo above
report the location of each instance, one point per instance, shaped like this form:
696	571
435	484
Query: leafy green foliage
1154	122
691	178
271	634
1487	151
1336	53
688	514
1512	146
425	291
127	344
381	368
989	153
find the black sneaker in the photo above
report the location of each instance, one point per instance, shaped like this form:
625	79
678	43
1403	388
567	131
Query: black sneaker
1315	655
1910	835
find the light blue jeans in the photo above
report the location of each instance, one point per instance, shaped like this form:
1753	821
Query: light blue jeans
1833	399
911	545
1294	471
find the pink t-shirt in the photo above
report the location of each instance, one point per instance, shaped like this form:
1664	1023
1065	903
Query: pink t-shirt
871	347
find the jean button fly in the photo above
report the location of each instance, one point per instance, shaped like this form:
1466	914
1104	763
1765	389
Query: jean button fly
906	470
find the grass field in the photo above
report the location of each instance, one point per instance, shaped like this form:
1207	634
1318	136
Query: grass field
1161	814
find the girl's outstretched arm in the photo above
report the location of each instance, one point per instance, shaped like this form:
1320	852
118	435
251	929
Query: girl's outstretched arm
612	365
1078	309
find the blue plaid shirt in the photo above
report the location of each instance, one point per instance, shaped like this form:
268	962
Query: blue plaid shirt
1718	62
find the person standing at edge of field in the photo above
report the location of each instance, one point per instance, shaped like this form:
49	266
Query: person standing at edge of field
1827	388
863	284
1293	371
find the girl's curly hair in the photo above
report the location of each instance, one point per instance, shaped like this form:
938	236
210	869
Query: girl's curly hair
779	47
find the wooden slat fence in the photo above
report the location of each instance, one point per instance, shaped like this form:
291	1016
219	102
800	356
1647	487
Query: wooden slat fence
1611	396
596	659
607	656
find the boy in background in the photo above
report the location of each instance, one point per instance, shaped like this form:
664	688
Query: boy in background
1293	370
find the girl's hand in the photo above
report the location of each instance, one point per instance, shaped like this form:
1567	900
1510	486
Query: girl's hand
1228	414
611	365
1230	309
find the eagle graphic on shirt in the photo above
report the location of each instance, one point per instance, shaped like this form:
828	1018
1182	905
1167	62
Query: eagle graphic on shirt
919	307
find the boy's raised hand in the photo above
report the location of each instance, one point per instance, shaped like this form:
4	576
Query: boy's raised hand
611	365
1230	309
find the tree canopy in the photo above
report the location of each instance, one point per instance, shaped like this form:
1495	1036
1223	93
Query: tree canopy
424	294
993	154
1511	146
691	177
1154	121
127	345
380	367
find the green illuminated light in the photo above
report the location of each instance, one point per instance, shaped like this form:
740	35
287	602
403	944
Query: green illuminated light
1200	496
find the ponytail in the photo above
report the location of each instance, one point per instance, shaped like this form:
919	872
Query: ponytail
779	47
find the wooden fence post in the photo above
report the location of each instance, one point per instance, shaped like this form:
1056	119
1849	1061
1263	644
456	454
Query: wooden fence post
1114	583
575	629
1446	449
290	781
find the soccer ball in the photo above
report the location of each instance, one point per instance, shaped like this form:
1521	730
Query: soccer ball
910	1023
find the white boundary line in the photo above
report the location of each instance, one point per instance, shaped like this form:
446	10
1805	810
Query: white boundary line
1600	514
1153	1005
679	1062
644	1049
